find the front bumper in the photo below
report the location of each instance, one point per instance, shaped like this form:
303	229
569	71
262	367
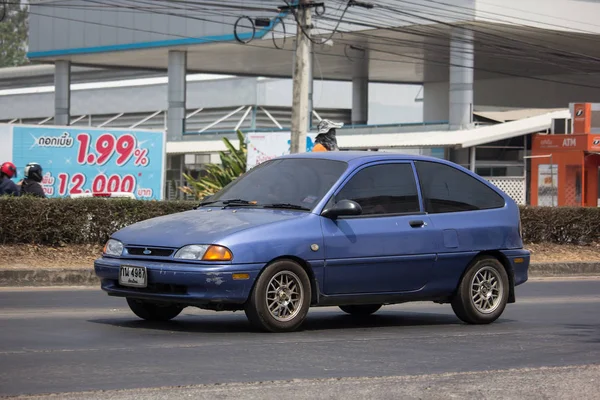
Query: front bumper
183	283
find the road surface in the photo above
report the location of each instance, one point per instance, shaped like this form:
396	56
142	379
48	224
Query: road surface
73	340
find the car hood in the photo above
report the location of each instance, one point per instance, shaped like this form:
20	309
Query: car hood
201	226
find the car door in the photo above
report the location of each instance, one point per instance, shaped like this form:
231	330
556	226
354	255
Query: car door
471	216
391	246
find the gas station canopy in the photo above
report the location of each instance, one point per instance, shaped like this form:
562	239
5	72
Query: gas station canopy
410	45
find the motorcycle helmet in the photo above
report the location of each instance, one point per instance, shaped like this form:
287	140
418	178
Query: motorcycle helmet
326	125
9	169
33	171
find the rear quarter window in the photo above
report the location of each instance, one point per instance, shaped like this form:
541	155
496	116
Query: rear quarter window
447	189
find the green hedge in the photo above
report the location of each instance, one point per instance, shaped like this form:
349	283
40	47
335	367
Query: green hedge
91	221
75	221
575	225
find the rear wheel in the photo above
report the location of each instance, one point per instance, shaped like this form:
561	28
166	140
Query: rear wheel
483	292
152	311
280	299
361	309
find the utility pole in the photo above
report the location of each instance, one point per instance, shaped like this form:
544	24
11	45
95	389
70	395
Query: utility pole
301	78
302	74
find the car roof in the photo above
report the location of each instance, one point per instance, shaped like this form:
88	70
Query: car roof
361	156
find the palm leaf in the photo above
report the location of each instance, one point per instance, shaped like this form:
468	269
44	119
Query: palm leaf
233	164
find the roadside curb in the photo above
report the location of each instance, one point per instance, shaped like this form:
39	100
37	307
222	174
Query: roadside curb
564	269
86	276
48	277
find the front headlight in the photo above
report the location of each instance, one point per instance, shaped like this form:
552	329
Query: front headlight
204	252
113	248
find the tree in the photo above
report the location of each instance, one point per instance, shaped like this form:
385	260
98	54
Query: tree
233	164
13	33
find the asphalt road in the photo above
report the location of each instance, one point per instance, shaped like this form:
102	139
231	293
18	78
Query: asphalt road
72	340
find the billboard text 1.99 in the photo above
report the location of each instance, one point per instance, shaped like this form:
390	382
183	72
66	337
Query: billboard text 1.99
77	161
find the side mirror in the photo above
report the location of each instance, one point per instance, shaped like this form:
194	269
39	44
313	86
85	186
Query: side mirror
342	208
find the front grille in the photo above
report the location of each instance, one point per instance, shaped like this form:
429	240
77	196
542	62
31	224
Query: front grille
149	251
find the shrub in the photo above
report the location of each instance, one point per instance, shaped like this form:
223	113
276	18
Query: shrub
91	221
75	221
574	225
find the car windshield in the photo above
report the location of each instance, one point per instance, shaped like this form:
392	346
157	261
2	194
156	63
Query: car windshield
286	183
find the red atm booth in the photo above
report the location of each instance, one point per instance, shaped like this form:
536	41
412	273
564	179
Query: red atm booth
565	168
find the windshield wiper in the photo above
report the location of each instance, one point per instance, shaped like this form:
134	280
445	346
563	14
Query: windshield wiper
238	202
286	206
205	203
233	202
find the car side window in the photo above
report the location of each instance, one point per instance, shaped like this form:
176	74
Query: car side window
446	189
383	189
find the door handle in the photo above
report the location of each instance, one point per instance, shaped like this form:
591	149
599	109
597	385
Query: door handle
417	223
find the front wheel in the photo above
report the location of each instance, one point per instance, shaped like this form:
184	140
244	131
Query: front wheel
483	292
361	310
152	311
280	299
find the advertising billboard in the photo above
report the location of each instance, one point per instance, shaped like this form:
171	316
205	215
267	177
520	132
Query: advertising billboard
93	160
267	145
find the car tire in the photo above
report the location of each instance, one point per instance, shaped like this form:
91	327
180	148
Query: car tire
280	298
152	311
482	293
361	310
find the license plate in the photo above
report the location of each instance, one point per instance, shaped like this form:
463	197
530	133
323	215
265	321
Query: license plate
133	276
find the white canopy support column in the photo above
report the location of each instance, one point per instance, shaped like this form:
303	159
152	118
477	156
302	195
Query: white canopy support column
62	92
360	90
176	94
462	64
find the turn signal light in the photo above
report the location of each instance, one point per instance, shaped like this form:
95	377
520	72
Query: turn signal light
217	253
240	277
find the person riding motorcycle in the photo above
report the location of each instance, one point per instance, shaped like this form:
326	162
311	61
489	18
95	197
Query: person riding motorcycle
326	140
8	171
31	184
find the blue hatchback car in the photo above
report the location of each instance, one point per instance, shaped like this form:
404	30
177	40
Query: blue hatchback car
357	230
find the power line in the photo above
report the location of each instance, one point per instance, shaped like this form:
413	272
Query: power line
489	49
474	29
540	14
496	47
414	58
191	37
514	75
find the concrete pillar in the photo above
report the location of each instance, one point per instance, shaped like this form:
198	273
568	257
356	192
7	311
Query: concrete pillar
177	94
62	92
473	155
435	102
360	90
462	63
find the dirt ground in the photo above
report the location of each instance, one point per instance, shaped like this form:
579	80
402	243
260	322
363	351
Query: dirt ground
32	256
27	256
